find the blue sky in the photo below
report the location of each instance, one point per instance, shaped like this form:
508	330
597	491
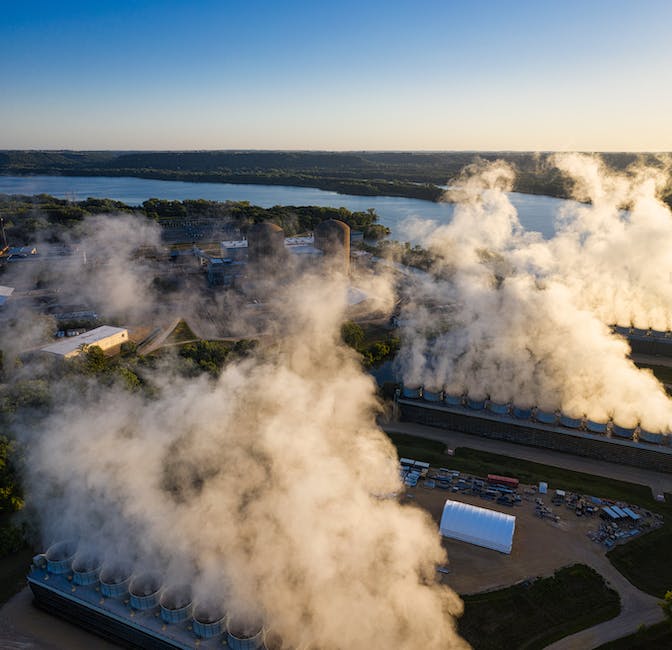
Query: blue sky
591	75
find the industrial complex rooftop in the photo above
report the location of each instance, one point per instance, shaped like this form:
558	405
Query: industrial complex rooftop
104	336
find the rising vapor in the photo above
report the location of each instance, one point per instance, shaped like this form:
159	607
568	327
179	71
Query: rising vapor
526	319
267	489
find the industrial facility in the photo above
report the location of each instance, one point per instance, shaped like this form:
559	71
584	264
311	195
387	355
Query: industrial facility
646	341
267	249
536	427
105	337
132	608
478	526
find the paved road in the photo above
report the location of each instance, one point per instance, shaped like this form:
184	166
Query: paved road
658	481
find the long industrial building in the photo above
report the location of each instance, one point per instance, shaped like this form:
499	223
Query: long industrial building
535	427
105	337
647	341
132	609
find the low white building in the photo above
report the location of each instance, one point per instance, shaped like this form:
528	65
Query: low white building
105	337
479	526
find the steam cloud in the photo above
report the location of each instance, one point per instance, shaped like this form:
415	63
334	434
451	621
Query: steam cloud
265	489
525	319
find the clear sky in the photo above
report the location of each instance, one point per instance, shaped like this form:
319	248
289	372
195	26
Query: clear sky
339	75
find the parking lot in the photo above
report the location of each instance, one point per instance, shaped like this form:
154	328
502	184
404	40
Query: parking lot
552	530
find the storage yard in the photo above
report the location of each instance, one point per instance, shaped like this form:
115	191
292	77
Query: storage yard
552	530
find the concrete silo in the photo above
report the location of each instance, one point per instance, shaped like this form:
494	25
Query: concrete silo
265	243
332	237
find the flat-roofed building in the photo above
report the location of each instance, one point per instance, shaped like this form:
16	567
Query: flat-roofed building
105	337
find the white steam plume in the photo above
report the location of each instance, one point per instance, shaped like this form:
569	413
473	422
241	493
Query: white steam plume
529	317
264	489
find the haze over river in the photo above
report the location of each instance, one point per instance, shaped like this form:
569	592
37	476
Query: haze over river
535	212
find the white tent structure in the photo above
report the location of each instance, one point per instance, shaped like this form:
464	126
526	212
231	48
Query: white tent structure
478	526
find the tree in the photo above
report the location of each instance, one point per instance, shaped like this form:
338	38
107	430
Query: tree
666	606
352	334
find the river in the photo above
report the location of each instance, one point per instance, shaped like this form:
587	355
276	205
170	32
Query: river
535	212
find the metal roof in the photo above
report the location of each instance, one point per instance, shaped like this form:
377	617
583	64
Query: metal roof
479	526
91	337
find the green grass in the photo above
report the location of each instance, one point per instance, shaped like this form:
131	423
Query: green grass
654	637
181	333
645	561
481	463
530	616
13	571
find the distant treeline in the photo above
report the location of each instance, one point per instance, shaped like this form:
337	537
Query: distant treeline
42	216
408	174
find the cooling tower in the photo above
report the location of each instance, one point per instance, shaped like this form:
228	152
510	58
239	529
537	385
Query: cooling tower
475	403
411	392
208	619
59	556
332	237
596	427
570	422
431	394
244	635
265	243
499	408
650	437
546	417
521	412
176	604
144	590
114	579
452	399
85	569
622	432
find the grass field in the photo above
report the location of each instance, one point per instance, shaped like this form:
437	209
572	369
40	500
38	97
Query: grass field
645	561
655	637
529	616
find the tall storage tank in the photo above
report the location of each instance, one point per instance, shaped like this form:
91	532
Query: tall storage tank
332	237
265	243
